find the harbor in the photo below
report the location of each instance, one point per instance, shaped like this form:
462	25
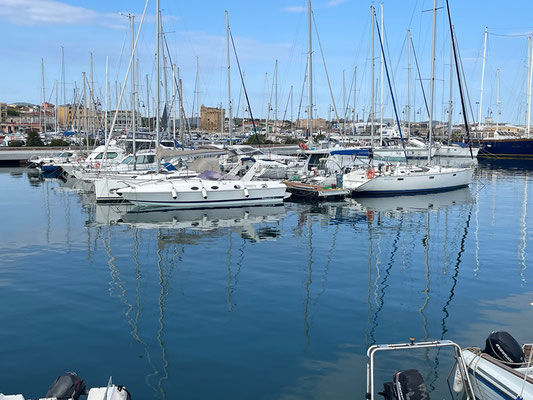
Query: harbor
194	302
355	222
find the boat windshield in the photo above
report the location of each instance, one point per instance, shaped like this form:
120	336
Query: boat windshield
127	160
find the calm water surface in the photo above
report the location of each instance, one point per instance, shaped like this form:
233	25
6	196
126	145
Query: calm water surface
268	303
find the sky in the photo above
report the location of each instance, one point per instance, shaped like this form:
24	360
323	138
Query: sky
266	31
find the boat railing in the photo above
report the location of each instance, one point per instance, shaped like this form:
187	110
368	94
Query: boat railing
412	345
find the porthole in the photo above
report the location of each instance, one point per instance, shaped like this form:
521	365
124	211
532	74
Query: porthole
214	187
237	186
195	188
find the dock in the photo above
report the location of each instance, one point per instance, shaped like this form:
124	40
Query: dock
18	156
315	192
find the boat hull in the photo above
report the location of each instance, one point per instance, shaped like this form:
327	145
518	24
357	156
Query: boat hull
196	193
395	184
493	381
506	148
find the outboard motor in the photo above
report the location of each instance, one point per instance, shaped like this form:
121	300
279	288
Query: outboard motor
405	385
502	346
67	386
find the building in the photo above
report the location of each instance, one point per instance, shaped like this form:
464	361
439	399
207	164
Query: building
318	124
3	113
212	119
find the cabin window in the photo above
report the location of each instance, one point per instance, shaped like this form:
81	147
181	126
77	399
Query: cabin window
431	177
110	156
195	188
237	186
454	174
214	187
400	179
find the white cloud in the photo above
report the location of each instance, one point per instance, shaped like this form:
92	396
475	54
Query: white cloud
335	3
294	9
53	12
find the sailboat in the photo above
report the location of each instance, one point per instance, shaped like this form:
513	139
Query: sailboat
397	179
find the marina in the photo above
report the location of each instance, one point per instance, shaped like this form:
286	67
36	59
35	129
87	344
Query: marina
334	205
166	300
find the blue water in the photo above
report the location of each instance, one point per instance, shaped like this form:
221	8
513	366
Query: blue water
272	303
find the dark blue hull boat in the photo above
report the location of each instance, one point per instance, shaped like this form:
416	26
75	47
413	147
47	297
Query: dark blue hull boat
506	148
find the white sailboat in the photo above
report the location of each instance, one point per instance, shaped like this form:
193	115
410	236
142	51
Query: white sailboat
406	179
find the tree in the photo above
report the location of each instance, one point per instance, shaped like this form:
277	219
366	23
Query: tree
34	140
58	143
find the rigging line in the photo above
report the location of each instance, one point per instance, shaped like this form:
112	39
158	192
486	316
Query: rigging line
244	87
326	69
391	91
178	91
452	37
302	95
420	76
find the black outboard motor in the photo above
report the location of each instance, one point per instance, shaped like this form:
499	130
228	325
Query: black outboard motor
67	386
405	385
502	346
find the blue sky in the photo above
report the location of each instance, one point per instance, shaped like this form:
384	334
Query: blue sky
265	31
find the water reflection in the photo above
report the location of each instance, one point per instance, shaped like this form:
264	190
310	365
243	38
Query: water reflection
295	291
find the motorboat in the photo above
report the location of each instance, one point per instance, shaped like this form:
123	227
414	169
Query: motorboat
209	189
409	384
69	386
96	160
502	370
405	179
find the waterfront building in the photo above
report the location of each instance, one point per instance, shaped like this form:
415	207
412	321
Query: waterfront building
211	118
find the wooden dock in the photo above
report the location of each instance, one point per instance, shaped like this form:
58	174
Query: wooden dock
315	192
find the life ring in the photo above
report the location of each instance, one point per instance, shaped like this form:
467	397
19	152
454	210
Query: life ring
303	146
370	173
96	165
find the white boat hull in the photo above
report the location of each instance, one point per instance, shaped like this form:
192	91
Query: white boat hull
492	381
434	180
201	193
397	154
456	151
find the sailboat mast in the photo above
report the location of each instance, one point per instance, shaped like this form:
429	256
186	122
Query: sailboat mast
372	95
381	80
197	94
182	114
529	82
230	122
276	95
310	70
243	101
63	74
43	98
450	103
480	111
55	108
91	102
106	97
267	105
344	101
292	91
408	83
174	101
354	119
133	124
432	81
497	100
85	127
157	94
